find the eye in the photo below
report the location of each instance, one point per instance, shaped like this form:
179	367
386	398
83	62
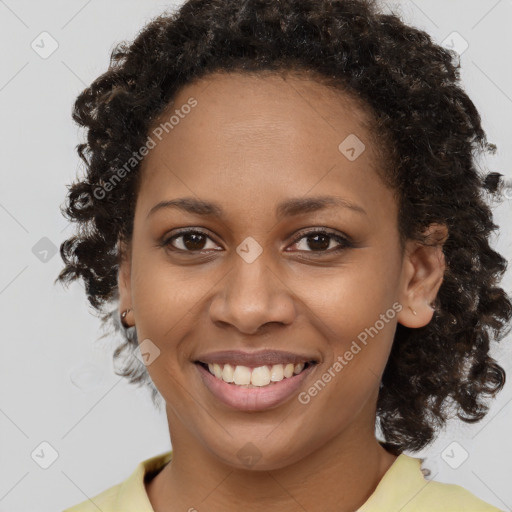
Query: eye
192	241
319	241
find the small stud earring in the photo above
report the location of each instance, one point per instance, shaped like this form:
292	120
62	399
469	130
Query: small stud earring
123	315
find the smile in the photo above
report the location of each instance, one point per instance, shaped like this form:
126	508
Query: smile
254	381
260	376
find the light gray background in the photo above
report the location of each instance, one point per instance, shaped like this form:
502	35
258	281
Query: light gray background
57	383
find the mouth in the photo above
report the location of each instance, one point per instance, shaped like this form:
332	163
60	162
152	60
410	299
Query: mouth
255	377
254	381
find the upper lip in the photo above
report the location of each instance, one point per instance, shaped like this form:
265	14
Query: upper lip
259	358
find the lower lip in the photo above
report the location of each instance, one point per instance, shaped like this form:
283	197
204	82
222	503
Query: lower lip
253	399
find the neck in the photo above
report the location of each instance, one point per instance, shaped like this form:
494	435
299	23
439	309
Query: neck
340	475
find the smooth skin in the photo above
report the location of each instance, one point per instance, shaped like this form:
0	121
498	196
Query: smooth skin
250	143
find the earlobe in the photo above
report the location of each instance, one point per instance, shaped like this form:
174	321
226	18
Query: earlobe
422	275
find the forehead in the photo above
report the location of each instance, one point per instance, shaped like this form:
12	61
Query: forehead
278	136
271	103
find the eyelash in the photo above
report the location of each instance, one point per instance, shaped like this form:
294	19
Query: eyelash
344	242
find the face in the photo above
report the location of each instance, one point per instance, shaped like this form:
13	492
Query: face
258	281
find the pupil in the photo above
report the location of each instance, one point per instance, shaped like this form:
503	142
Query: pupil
191	241
322	245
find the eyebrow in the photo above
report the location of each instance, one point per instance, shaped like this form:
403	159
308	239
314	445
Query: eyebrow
287	208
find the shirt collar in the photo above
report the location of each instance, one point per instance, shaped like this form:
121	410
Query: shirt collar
406	472
133	496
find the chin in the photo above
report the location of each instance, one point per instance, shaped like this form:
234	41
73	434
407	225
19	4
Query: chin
256	454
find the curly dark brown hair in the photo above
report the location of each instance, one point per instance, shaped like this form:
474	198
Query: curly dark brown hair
432	132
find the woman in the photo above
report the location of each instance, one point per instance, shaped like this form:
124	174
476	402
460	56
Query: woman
282	202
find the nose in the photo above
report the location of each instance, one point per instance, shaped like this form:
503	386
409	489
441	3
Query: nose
251	296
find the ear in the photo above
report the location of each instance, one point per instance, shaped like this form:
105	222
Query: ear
124	282
422	274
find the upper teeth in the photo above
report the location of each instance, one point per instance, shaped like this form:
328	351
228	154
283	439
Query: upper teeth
260	376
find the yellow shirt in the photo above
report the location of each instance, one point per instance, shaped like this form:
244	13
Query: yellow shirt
402	488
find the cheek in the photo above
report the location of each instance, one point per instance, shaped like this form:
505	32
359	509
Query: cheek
164	295
355	310
350	376
351	297
163	301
